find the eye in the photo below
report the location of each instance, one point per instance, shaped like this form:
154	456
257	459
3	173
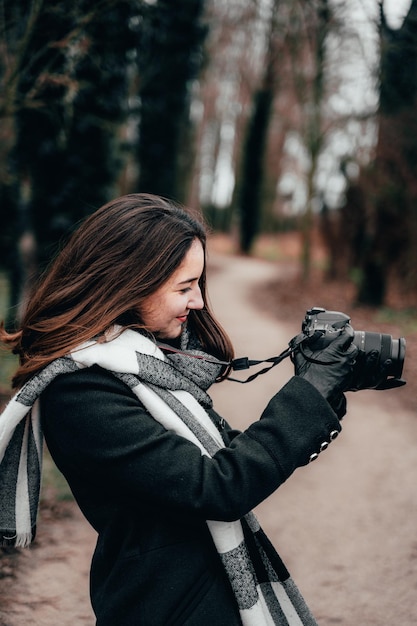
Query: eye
185	290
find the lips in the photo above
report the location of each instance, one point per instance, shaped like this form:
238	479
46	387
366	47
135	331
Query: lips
182	319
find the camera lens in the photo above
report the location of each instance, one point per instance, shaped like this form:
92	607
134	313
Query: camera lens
398	355
387	347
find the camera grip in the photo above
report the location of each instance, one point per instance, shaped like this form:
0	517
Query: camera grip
328	369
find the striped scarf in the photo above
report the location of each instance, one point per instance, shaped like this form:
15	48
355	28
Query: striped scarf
173	390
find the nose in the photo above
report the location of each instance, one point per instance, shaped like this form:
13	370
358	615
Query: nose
196	300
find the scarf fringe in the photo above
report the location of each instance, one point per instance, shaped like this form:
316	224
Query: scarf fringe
22	540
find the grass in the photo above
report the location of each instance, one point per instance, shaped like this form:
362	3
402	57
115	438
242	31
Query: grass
8	361
406	319
54	485
287	247
8	364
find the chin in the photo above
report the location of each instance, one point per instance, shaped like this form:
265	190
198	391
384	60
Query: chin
170	334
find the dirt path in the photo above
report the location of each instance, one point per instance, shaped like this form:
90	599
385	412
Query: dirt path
51	584
345	525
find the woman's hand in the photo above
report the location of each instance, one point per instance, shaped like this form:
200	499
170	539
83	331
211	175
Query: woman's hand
329	369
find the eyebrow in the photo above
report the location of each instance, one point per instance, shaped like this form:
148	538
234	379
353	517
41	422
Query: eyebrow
188	280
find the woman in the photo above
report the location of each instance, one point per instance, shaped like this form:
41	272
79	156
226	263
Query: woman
119	343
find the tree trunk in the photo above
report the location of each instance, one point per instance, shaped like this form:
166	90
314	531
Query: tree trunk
169	59
252	176
392	213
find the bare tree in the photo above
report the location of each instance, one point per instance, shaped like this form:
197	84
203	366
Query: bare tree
307	52
222	99
385	238
254	151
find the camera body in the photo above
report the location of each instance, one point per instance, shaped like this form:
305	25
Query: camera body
380	360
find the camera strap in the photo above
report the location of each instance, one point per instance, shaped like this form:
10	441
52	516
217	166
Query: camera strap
296	344
244	363
239	364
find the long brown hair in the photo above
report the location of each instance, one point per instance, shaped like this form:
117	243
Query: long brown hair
120	255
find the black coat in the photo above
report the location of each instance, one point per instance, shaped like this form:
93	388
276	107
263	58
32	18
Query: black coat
148	492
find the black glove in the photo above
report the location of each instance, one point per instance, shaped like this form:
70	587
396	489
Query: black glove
371	374
338	404
329	368
389	383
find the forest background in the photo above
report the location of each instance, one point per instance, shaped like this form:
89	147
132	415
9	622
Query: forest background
284	121
268	115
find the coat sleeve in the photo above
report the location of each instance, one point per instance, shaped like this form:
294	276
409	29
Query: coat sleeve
100	436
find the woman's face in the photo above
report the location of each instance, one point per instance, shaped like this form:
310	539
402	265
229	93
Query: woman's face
166	310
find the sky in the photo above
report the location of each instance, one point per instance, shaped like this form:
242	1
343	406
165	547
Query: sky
395	11
357	92
355	69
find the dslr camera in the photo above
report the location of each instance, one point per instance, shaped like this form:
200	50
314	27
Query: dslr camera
380	360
